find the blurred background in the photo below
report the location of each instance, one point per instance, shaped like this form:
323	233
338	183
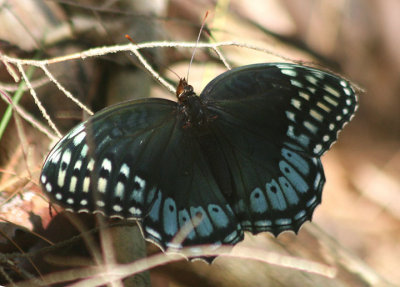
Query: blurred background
356	229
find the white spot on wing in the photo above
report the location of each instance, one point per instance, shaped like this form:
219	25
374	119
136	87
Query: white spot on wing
100	203
125	170
311	89
138	193
102	184
296	83
324	107
72	184
79	138
296	103
312	79
332	91
316	115
117	208
78	165
330	100
140	181
86	183
84	150
65	160
49	188
311	127
54	156
290	116
76	130
304	95
90	165
347	91
289	72
135	211
153	233
318	74
317	148
119	190
106	164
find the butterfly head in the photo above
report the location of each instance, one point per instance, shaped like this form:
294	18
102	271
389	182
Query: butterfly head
184	90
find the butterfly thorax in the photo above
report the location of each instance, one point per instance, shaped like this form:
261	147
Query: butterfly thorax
190	106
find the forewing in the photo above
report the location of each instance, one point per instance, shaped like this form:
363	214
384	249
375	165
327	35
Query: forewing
303	106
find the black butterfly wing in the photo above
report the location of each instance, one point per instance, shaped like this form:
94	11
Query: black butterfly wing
273	122
93	167
135	160
188	190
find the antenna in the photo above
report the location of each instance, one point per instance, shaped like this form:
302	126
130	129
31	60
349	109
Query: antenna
133	42
197	42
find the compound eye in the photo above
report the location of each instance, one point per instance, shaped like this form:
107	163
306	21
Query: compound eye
188	89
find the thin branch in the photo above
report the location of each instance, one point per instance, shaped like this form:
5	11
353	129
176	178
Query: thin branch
65	91
30	119
36	83
222	58
101	51
37	101
150	69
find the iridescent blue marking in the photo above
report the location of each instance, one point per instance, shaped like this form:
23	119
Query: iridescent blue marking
155	210
275	195
170	217
258	202
296	160
288	191
204	228
293	176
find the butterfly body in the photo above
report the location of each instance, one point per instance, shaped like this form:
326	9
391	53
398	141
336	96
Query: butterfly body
242	156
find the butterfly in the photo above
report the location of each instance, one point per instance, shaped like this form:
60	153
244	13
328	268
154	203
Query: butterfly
242	156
